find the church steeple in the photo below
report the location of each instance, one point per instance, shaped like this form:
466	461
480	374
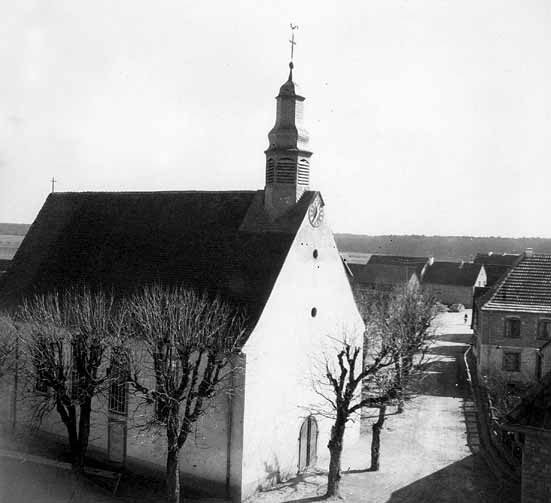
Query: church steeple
288	155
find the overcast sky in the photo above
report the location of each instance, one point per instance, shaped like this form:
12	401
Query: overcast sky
425	116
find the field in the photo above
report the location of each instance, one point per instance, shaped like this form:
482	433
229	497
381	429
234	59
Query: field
8	245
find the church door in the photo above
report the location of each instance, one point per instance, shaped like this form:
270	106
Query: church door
307	444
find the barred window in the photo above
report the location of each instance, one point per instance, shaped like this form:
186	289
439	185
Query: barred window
511	362
118	388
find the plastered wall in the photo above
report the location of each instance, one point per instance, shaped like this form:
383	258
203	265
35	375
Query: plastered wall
285	352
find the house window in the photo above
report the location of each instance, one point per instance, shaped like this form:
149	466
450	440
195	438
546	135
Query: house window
511	362
544	329
512	327
118	388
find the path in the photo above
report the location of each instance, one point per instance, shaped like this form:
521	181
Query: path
430	452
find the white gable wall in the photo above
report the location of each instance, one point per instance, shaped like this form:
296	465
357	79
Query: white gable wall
285	349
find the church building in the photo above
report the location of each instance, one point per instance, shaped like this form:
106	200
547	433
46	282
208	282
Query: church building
270	250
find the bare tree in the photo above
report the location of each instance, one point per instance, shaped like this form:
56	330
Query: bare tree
401	321
7	343
342	390
408	317
65	338
188	340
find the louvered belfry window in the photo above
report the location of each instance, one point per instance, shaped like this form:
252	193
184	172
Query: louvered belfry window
270	168
286	171
303	177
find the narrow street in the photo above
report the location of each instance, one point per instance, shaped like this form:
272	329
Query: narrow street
430	453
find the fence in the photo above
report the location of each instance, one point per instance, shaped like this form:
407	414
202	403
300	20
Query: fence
505	444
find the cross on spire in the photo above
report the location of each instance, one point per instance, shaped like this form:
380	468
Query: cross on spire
292	41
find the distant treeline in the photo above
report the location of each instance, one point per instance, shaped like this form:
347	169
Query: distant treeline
440	247
14	229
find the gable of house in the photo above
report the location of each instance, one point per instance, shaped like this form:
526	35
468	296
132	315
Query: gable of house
454	273
382	276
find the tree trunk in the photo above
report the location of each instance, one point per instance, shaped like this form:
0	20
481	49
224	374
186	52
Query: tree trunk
83	432
68	416
173	475
376	439
172	459
335	450
398	383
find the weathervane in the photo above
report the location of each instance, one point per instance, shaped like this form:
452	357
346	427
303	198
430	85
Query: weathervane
292	41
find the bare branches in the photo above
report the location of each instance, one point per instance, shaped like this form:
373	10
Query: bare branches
64	340
188	339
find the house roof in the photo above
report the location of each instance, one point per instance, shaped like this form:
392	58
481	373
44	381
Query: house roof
4	264
452	273
495	272
121	240
500	259
534	410
526	287
418	263
381	274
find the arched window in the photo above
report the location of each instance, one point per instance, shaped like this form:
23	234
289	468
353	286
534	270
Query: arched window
118	385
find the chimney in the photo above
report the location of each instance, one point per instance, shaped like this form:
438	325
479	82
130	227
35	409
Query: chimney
529	252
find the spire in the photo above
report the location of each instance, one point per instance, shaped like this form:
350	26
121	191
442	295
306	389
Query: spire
288	154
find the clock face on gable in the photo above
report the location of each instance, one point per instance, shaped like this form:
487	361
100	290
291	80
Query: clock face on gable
315	213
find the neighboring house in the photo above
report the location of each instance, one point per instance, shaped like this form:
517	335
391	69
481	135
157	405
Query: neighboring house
355	257
270	250
496	265
513	322
419	264
532	419
382	278
454	282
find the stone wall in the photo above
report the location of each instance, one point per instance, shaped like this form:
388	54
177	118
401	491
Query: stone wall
536	467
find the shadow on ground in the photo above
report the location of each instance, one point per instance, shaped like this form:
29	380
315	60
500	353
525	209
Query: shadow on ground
442	486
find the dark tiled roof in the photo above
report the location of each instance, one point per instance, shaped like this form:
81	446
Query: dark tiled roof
534	410
526	287
452	273
381	275
123	240
502	259
417	262
495	272
4	264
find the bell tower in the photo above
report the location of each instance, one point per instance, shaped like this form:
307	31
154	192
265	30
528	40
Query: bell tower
288	155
